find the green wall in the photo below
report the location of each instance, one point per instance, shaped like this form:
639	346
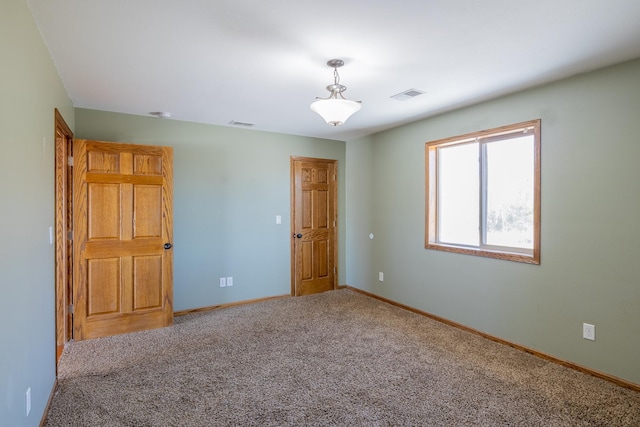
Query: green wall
361	194
590	243
229	185
30	89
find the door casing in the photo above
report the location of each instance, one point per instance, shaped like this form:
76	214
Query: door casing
63	137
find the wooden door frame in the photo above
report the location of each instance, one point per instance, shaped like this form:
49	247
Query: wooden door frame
293	183
63	266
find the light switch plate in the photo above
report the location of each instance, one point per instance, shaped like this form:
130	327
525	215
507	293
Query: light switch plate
588	331
27	401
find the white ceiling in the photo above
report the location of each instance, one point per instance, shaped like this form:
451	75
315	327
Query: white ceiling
264	61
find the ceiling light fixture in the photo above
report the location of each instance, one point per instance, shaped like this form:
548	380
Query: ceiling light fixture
336	109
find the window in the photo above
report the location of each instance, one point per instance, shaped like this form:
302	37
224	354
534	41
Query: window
483	193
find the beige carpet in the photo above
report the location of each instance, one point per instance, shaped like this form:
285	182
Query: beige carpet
338	358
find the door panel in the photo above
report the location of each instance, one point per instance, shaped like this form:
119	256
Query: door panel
102	298
147	281
147	208
103	204
123	217
314	213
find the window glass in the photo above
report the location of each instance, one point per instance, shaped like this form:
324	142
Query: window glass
510	193
458	174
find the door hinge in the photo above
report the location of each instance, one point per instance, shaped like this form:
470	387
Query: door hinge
70	309
70	161
70	235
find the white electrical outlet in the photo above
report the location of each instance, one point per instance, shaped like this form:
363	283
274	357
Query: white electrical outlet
588	332
381	276
27	401
229	281
223	282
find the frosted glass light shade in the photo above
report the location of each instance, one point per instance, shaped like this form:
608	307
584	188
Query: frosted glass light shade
335	111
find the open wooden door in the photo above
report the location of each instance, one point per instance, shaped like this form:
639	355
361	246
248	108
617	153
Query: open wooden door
314	245
122	238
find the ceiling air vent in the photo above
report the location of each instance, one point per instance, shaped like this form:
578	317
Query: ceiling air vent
245	124
407	94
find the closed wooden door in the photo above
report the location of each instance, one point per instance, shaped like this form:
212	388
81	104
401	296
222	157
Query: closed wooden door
314	232
122	208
